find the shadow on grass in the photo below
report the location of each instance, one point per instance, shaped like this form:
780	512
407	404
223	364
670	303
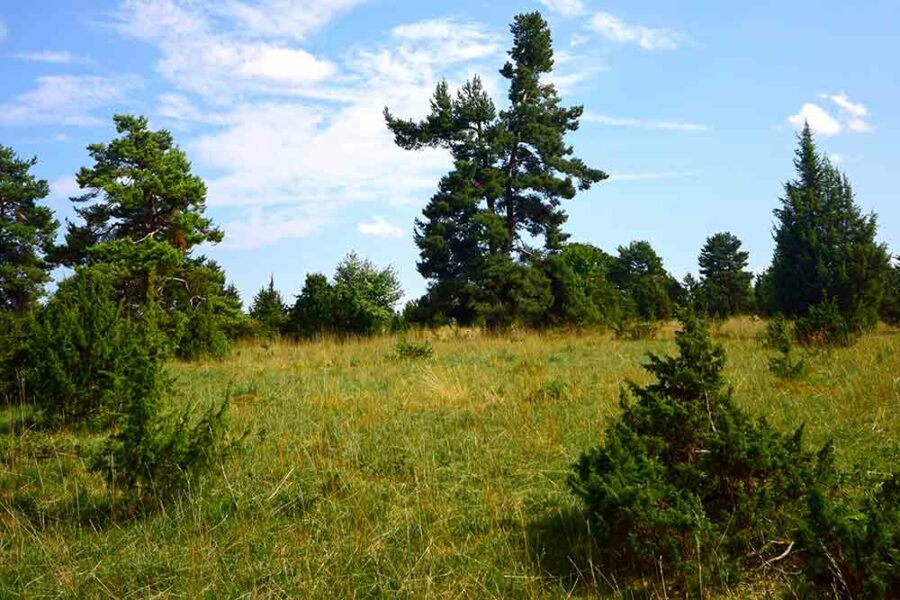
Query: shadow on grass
564	550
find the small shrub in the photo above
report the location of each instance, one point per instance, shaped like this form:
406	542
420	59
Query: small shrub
157	454
406	349
203	334
852	552
780	337
686	479
824	325
82	351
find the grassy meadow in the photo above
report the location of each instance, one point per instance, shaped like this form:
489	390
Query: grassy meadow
365	475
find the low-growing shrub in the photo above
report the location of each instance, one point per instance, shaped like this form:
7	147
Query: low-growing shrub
780	337
407	349
687	480
82	352
824	325
152	453
853	552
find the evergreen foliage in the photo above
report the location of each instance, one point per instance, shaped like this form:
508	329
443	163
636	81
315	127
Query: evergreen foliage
825	248
852	549
581	289
890	305
15	333
268	309
725	287
140	186
27	232
780	336
512	169
639	273
360	300
83	352
684	478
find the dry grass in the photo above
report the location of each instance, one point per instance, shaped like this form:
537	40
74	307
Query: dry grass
368	476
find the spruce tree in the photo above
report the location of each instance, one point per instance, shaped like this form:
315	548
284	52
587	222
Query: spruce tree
825	248
268	308
512	169
725	284
140	186
27	231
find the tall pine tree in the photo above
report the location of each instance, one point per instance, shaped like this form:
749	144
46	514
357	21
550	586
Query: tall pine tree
140	186
726	287
825	248
27	231
511	171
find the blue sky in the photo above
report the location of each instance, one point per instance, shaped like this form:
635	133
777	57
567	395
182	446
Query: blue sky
690	105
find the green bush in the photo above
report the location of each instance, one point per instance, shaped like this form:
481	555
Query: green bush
406	349
14	343
780	337
824	325
685	478
202	335
82	352
853	552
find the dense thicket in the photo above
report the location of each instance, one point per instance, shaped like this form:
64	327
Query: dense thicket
512	169
360	300
890	305
825	248
27	232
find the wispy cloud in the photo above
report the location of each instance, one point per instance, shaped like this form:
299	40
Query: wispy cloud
380	227
601	119
3	30
615	29
66	100
567	8
849	116
50	56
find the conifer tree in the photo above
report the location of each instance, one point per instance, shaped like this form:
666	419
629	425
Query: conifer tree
140	186
27	231
268	308
725	284
512	169
825	248
639	273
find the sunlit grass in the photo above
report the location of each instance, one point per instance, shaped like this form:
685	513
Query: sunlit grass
367	475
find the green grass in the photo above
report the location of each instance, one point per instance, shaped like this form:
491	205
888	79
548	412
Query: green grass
368	476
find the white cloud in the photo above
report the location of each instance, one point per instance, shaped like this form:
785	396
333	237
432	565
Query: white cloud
835	158
49	56
614	29
591	117
380	227
64	187
290	18
66	100
567	8
220	58
850	117
258	228
855	109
